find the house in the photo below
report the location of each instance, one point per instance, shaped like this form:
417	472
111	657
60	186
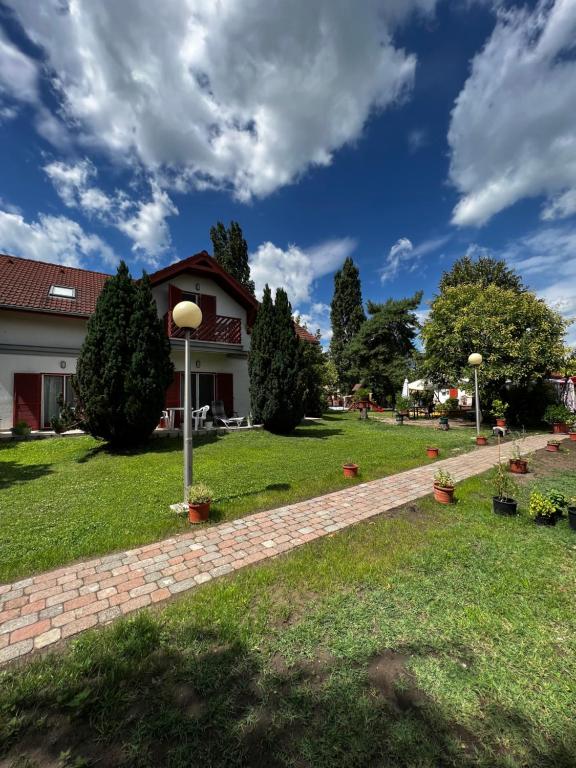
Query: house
44	309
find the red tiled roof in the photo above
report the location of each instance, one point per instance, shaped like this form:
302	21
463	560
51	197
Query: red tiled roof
25	284
305	334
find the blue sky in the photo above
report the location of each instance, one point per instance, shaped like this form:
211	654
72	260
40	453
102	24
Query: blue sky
405	133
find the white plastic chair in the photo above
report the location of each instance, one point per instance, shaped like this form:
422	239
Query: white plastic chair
199	417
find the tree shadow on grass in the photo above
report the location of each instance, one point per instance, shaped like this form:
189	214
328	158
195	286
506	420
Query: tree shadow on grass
154	445
15	473
131	697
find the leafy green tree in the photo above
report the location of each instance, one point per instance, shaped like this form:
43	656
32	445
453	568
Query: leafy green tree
231	252
519	336
124	365
483	272
312	367
346	316
383	351
276	382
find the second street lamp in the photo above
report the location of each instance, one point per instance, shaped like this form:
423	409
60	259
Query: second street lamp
475	360
187	315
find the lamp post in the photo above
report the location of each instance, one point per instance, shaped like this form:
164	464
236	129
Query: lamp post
188	316
475	360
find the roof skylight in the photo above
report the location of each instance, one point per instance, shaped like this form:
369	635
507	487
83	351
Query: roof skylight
62	292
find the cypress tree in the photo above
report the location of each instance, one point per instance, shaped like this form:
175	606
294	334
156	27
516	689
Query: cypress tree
231	252
313	375
346	317
275	366
124	365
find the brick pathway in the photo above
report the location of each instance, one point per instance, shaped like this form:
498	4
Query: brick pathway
44	609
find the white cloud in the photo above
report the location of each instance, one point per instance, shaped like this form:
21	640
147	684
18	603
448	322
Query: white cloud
55	239
403	256
18	73
294	268
512	132
143	221
239	94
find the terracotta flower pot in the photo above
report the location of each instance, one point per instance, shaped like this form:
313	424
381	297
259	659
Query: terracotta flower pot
444	495
198	513
518	466
481	440
350	470
432	453
559	428
500	422
553	447
573	436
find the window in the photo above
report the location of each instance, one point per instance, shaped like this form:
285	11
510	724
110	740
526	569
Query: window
57	389
187	296
62	292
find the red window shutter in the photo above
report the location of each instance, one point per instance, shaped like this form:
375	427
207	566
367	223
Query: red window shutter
174	296
454	393
225	391
208	306
172	399
173	392
28	398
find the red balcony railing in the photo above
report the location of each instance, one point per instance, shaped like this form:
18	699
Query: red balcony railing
224	330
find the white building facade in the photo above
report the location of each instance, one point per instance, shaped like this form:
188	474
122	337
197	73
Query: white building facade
44	309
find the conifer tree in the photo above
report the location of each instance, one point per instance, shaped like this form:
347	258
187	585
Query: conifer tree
124	365
313	376
231	252
275	366
346	316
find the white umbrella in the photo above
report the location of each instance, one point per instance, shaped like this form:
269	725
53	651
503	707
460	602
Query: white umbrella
405	392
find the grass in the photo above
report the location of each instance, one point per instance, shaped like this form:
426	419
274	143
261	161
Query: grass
69	498
431	637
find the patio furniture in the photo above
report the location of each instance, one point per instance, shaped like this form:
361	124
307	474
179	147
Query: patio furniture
220	416
172	414
199	417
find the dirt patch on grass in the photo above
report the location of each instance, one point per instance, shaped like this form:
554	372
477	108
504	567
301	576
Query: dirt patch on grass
543	463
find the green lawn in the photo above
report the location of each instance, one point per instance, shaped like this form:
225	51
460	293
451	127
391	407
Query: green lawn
430	638
70	498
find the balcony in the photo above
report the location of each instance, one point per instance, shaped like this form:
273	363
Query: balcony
217	329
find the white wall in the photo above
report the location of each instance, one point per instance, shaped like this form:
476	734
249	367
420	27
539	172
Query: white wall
36	329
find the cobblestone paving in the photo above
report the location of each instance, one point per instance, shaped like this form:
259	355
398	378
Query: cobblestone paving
42	610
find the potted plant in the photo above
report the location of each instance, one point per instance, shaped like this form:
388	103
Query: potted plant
503	502
572	513
518	465
432	452
572	427
558	416
443	409
481	440
499	409
559	501
199	498
350	469
553	446
20	429
402	408
443	487
541	509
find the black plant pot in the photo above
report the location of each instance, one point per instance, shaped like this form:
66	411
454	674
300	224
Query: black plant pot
572	517
545	520
504	506
399	418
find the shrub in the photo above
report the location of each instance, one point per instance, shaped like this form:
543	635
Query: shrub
499	409
443	479
504	485
361	395
558	499
402	403
199	493
540	505
21	428
557	414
